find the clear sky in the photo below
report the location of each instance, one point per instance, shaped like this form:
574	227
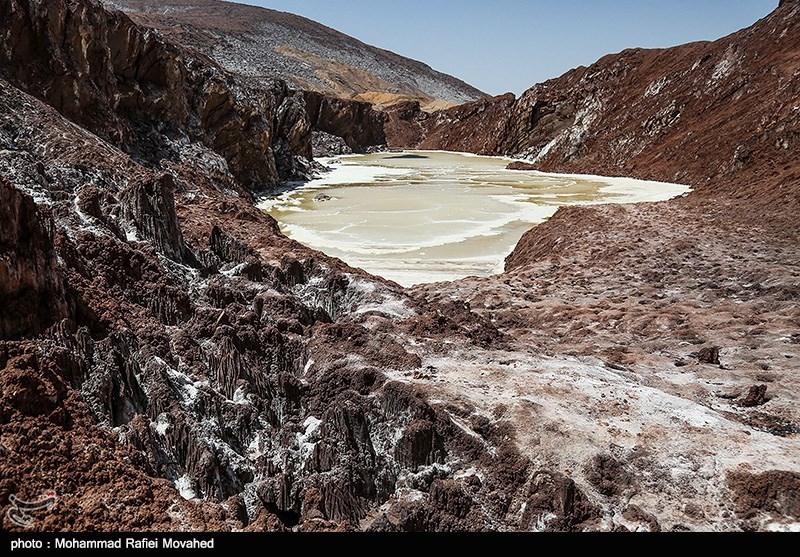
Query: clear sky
509	45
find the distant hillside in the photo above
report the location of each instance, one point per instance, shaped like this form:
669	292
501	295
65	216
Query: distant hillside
261	43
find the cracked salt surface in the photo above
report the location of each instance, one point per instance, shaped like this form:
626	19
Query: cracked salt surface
566	410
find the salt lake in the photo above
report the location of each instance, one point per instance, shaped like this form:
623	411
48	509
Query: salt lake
428	216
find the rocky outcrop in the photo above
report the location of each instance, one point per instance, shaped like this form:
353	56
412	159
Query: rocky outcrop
327	145
149	210
148	96
554	504
520	165
405	125
772	492
476	127
357	123
32	291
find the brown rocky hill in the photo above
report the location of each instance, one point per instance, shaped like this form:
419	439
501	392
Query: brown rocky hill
257	43
170	361
723	113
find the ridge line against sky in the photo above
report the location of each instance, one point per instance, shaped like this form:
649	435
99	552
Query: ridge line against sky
504	46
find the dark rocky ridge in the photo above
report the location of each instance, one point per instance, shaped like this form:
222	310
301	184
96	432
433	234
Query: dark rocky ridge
358	124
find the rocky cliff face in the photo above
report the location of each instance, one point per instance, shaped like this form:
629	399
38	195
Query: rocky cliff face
31	284
153	99
478	127
358	124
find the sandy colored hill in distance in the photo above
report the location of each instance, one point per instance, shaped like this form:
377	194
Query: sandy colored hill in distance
262	43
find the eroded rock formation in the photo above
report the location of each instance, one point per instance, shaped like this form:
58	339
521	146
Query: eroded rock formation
32	292
357	123
141	93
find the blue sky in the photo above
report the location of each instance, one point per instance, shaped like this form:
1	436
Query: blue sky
509	45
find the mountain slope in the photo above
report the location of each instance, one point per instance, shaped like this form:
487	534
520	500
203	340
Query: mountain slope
706	114
696	297
262	43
